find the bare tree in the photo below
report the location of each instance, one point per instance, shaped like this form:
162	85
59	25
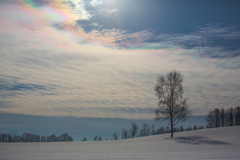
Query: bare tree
195	127
95	138
210	120
153	132
84	139
217	117
237	115
145	131
230	116
181	129
134	130
222	117
171	105
124	134
115	136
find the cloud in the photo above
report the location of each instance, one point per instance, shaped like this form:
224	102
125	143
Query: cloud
5	105
54	67
11	2
78	9
111	24
37	3
97	22
111	112
109	83
6	85
211	41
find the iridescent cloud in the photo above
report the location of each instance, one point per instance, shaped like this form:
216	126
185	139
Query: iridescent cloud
59	58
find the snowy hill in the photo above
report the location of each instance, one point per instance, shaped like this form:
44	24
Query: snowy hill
217	143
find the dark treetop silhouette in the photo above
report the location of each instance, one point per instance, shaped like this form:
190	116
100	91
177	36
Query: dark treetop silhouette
171	106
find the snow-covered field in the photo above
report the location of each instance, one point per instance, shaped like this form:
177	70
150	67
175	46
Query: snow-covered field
217	143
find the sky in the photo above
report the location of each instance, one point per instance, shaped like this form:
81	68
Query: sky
76	127
101	58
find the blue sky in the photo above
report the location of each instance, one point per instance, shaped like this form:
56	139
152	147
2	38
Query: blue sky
101	58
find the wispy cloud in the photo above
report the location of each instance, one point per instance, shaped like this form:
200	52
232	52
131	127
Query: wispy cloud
82	18
50	65
110	112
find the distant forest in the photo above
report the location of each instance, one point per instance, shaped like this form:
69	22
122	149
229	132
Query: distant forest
29	137
148	130
222	118
215	118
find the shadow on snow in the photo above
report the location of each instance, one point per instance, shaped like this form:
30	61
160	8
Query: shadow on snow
197	140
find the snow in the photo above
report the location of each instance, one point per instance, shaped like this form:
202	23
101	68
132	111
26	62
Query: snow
217	143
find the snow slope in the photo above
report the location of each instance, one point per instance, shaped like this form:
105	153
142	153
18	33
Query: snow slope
217	143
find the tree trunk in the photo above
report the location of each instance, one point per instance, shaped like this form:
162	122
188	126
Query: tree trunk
171	127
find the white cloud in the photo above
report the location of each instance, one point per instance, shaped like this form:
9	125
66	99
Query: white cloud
95	3
85	80
80	11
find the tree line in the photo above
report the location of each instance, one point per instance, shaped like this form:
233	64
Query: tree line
221	117
147	130
30	137
144	130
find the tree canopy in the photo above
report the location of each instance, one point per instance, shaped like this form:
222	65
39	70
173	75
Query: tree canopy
171	105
